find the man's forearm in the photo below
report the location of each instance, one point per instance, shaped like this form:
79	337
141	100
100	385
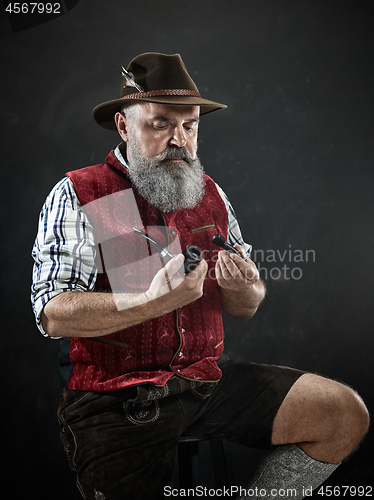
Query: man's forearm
243	304
91	314
95	314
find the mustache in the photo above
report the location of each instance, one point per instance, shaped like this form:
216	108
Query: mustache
172	152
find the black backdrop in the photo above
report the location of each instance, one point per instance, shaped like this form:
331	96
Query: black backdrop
293	151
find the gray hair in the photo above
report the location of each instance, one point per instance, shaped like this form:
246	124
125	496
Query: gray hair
130	111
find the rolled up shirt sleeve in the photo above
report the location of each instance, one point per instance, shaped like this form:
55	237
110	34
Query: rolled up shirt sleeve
64	249
234	234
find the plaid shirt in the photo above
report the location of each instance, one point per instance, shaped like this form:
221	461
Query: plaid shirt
64	249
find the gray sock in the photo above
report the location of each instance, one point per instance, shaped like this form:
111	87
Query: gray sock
287	472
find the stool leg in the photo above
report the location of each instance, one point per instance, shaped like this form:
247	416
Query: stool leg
189	466
222	465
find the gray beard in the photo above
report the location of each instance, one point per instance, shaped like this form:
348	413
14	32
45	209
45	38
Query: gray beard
167	187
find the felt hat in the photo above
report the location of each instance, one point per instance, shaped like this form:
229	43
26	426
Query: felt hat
154	77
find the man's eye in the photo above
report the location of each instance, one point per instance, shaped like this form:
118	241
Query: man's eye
190	128
159	126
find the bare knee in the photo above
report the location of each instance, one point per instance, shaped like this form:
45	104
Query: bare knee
353	416
346	420
328	419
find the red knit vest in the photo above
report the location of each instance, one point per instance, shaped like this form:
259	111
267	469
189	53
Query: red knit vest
186	342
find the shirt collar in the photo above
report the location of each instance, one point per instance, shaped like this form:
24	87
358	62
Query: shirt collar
120	158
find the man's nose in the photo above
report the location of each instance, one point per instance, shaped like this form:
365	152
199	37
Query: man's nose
178	138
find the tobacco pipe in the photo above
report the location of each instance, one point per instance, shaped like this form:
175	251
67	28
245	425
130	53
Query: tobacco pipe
220	241
192	254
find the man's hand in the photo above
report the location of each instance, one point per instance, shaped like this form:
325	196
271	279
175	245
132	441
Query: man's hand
183	288
166	279
240	286
234	273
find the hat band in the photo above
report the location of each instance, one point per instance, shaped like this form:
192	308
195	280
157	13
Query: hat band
155	93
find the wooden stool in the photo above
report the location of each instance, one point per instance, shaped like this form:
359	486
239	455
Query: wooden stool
189	462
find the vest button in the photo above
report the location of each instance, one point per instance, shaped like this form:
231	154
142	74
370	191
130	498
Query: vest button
178	370
173	232
180	354
183	330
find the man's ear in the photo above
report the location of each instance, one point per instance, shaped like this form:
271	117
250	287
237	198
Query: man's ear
121	123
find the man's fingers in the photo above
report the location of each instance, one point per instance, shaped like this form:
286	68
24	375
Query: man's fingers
174	265
247	268
242	251
233	272
199	272
171	269
229	267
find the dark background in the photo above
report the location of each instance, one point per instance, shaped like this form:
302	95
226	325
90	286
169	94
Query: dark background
293	151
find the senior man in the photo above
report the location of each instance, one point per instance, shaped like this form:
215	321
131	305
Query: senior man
142	341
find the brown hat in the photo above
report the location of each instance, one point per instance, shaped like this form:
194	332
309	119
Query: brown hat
154	77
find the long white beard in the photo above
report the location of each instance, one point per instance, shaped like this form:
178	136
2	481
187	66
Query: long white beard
171	186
